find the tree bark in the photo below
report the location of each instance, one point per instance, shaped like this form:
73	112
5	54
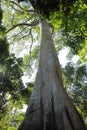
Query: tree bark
50	108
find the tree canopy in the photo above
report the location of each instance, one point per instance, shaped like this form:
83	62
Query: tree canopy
19	30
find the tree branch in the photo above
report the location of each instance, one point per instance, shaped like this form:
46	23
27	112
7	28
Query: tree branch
31	42
34	23
16	4
24	36
31	10
15	35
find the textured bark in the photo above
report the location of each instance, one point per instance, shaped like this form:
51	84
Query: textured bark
50	107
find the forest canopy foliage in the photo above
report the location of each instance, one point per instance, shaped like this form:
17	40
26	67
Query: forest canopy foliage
19	31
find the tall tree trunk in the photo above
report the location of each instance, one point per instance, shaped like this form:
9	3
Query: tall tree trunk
50	107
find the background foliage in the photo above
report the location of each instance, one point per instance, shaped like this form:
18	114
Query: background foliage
19	55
